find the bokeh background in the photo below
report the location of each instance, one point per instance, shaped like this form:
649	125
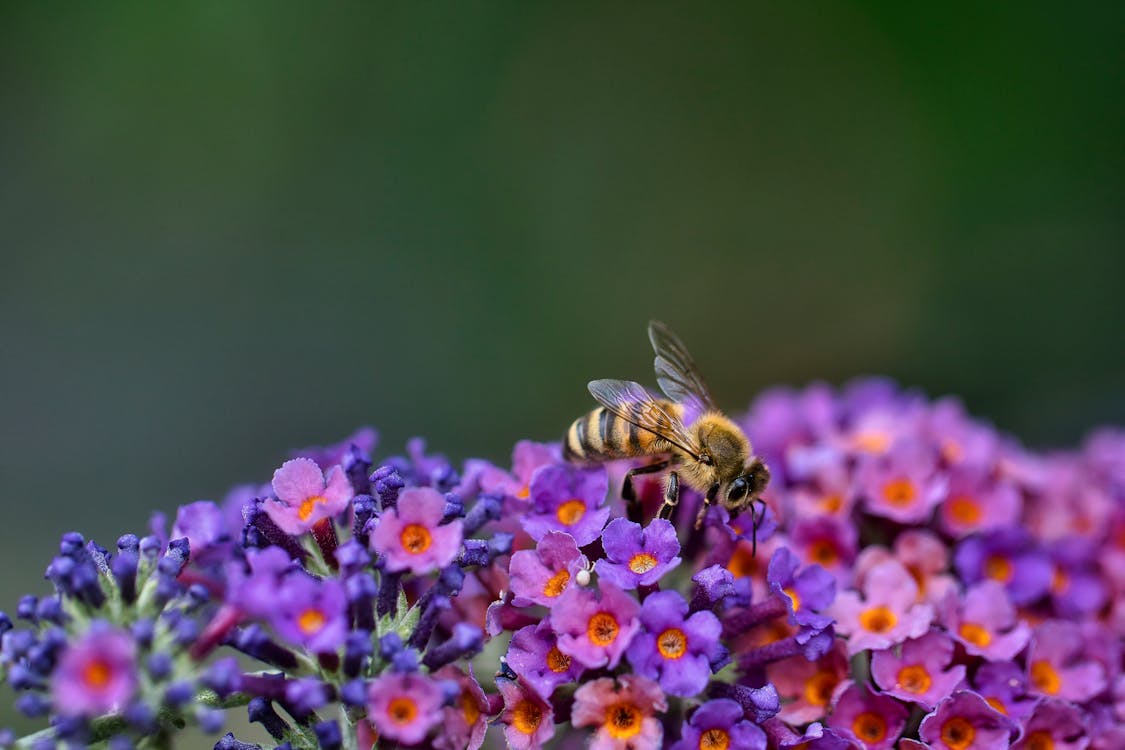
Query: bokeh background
232	229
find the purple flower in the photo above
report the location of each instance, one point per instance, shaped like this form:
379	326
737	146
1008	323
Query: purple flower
902	485
674	648
1003	685
411	537
1076	588
527	457
1006	555
595	631
1056	666
204	525
978	502
1054	725
542	575
635	556
622	713
874	721
806	593
528	719
362	440
985	622
305	495
534	655
826	541
921	673
965	722
97	674
570	499
465	722
807	685
720	724
311	613
404	707
886	614
962	442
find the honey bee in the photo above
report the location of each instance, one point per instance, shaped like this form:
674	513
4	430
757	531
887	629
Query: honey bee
694	440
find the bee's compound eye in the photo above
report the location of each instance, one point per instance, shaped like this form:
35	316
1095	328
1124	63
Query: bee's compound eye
737	489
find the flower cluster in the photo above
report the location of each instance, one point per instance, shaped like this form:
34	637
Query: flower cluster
917	580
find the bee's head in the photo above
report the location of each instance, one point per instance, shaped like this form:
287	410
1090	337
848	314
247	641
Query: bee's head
748	486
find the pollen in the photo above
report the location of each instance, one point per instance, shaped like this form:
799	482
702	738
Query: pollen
642	562
878	619
1041	740
900	492
556	584
794	597
402	710
1059	581
524	493
602	629
1045	678
571	512
823	552
998	568
311	621
96	674
623	720
832	503
672	643
914	678
469	708
965	510
958	733
416	538
526	717
308	505
819	687
714	739
997	704
742	563
869	728
975	634
557	661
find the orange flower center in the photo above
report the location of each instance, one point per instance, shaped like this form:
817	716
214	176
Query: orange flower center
1045	678
952	451
819	687
623	720
524	493
965	510
469	708
794	598
602	629
672	643
975	634
914	679
742	563
308	505
571	512
878	619
311	621
1059	581
997	704
957	733
899	492
869	728
823	552
872	442
998	568
642	562
714	739
402	710
97	673
416	538
526	717
832	503
1041	740
557	661
556	584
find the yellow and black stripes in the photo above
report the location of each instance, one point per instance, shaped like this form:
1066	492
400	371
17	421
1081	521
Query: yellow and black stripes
602	435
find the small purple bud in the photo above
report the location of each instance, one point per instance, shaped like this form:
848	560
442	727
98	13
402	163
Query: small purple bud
177	694
328	735
128	543
71	543
150	547
21	677
363	510
198	595
405	661
357	648
210	720
261	711
49	610
159	665
454	507
175	558
352	556
120	742
428	621
304	696
354	693
33	705
389	645
386	481
712	586
487	508
25	610
142	632
474	552
141	718
466	640
124	568
5	623
228	742
223	676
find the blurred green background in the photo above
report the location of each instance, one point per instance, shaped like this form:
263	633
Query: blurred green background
232	229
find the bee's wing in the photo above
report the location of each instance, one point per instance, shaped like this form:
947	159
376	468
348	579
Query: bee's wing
676	371
633	403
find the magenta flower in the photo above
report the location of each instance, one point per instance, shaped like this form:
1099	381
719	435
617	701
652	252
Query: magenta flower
569	499
527	457
1055	725
528	719
595	631
1076	588
828	542
541	575
1003	685
622	713
673	647
411	536
920	673
965	722
311	613
808	686
465	722
985	622
404	707
923	555
635	556
903	485
978	502
874	721
305	495
534	655
886	614
720	724
1056	666
97	674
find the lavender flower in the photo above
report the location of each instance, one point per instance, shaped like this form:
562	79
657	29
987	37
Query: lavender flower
635	556
96	675
674	648
412	537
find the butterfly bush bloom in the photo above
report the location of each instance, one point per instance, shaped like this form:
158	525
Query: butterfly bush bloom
920	581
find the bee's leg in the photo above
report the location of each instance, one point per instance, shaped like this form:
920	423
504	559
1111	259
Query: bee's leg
629	495
757	518
671	497
708	500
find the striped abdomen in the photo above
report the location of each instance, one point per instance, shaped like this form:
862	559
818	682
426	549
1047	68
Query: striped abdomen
601	435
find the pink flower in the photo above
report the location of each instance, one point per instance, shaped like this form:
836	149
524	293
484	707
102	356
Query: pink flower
96	675
985	622
964	721
622	713
528	719
977	502
923	555
404	707
595	631
921	673
874	721
412	537
1056	666
464	723
305	495
809	685
902	485
886	614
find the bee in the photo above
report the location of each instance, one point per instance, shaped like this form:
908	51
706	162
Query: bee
694	441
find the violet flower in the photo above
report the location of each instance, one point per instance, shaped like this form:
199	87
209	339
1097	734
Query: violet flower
411	537
635	556
673	647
